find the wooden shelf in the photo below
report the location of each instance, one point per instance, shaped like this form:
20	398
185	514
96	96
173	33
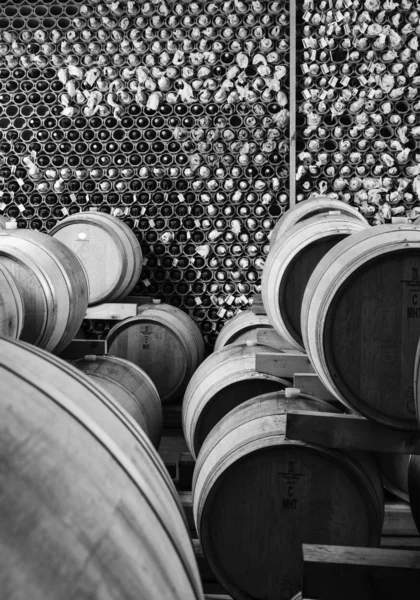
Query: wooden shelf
349	432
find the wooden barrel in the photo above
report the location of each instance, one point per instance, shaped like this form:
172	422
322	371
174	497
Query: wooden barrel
310	208
361	322
131	387
87	507
226	379
12	312
52	283
257	497
394	469
163	341
290	264
243	327
108	249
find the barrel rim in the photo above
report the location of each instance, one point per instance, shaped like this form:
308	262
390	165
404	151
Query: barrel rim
332	271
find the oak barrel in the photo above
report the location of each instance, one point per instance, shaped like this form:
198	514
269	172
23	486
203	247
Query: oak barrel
291	262
52	283
131	387
163	341
361	322
394	469
257	497
224	380
108	249
12	312
87	507
310	208
242	328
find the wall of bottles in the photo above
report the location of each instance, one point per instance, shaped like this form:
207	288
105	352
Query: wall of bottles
172	115
359	130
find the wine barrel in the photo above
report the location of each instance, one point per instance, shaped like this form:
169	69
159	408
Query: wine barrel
224	380
310	208
242	328
361	322
291	262
131	387
258	496
52	283
108	249
83	479
163	341
12	312
394	469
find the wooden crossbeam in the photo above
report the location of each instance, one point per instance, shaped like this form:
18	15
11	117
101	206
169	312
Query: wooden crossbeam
310	383
331	572
111	311
284	364
80	348
349	432
267	336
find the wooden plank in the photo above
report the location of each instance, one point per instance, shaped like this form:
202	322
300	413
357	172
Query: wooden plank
80	348
170	448
138	300
284	364
332	572
111	311
187	505
292	103
269	337
257	306
399	520
349	432
310	383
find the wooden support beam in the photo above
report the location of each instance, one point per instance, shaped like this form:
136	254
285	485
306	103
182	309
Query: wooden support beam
349	432
111	311
331	572
268	336
80	348
399	520
310	383
284	364
257	306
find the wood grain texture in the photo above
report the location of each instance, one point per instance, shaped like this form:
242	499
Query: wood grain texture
257	497
349	432
224	380
108	249
290	264
310	208
367	573
12	311
361	324
283	363
87	507
53	285
311	384
131	387
164	342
